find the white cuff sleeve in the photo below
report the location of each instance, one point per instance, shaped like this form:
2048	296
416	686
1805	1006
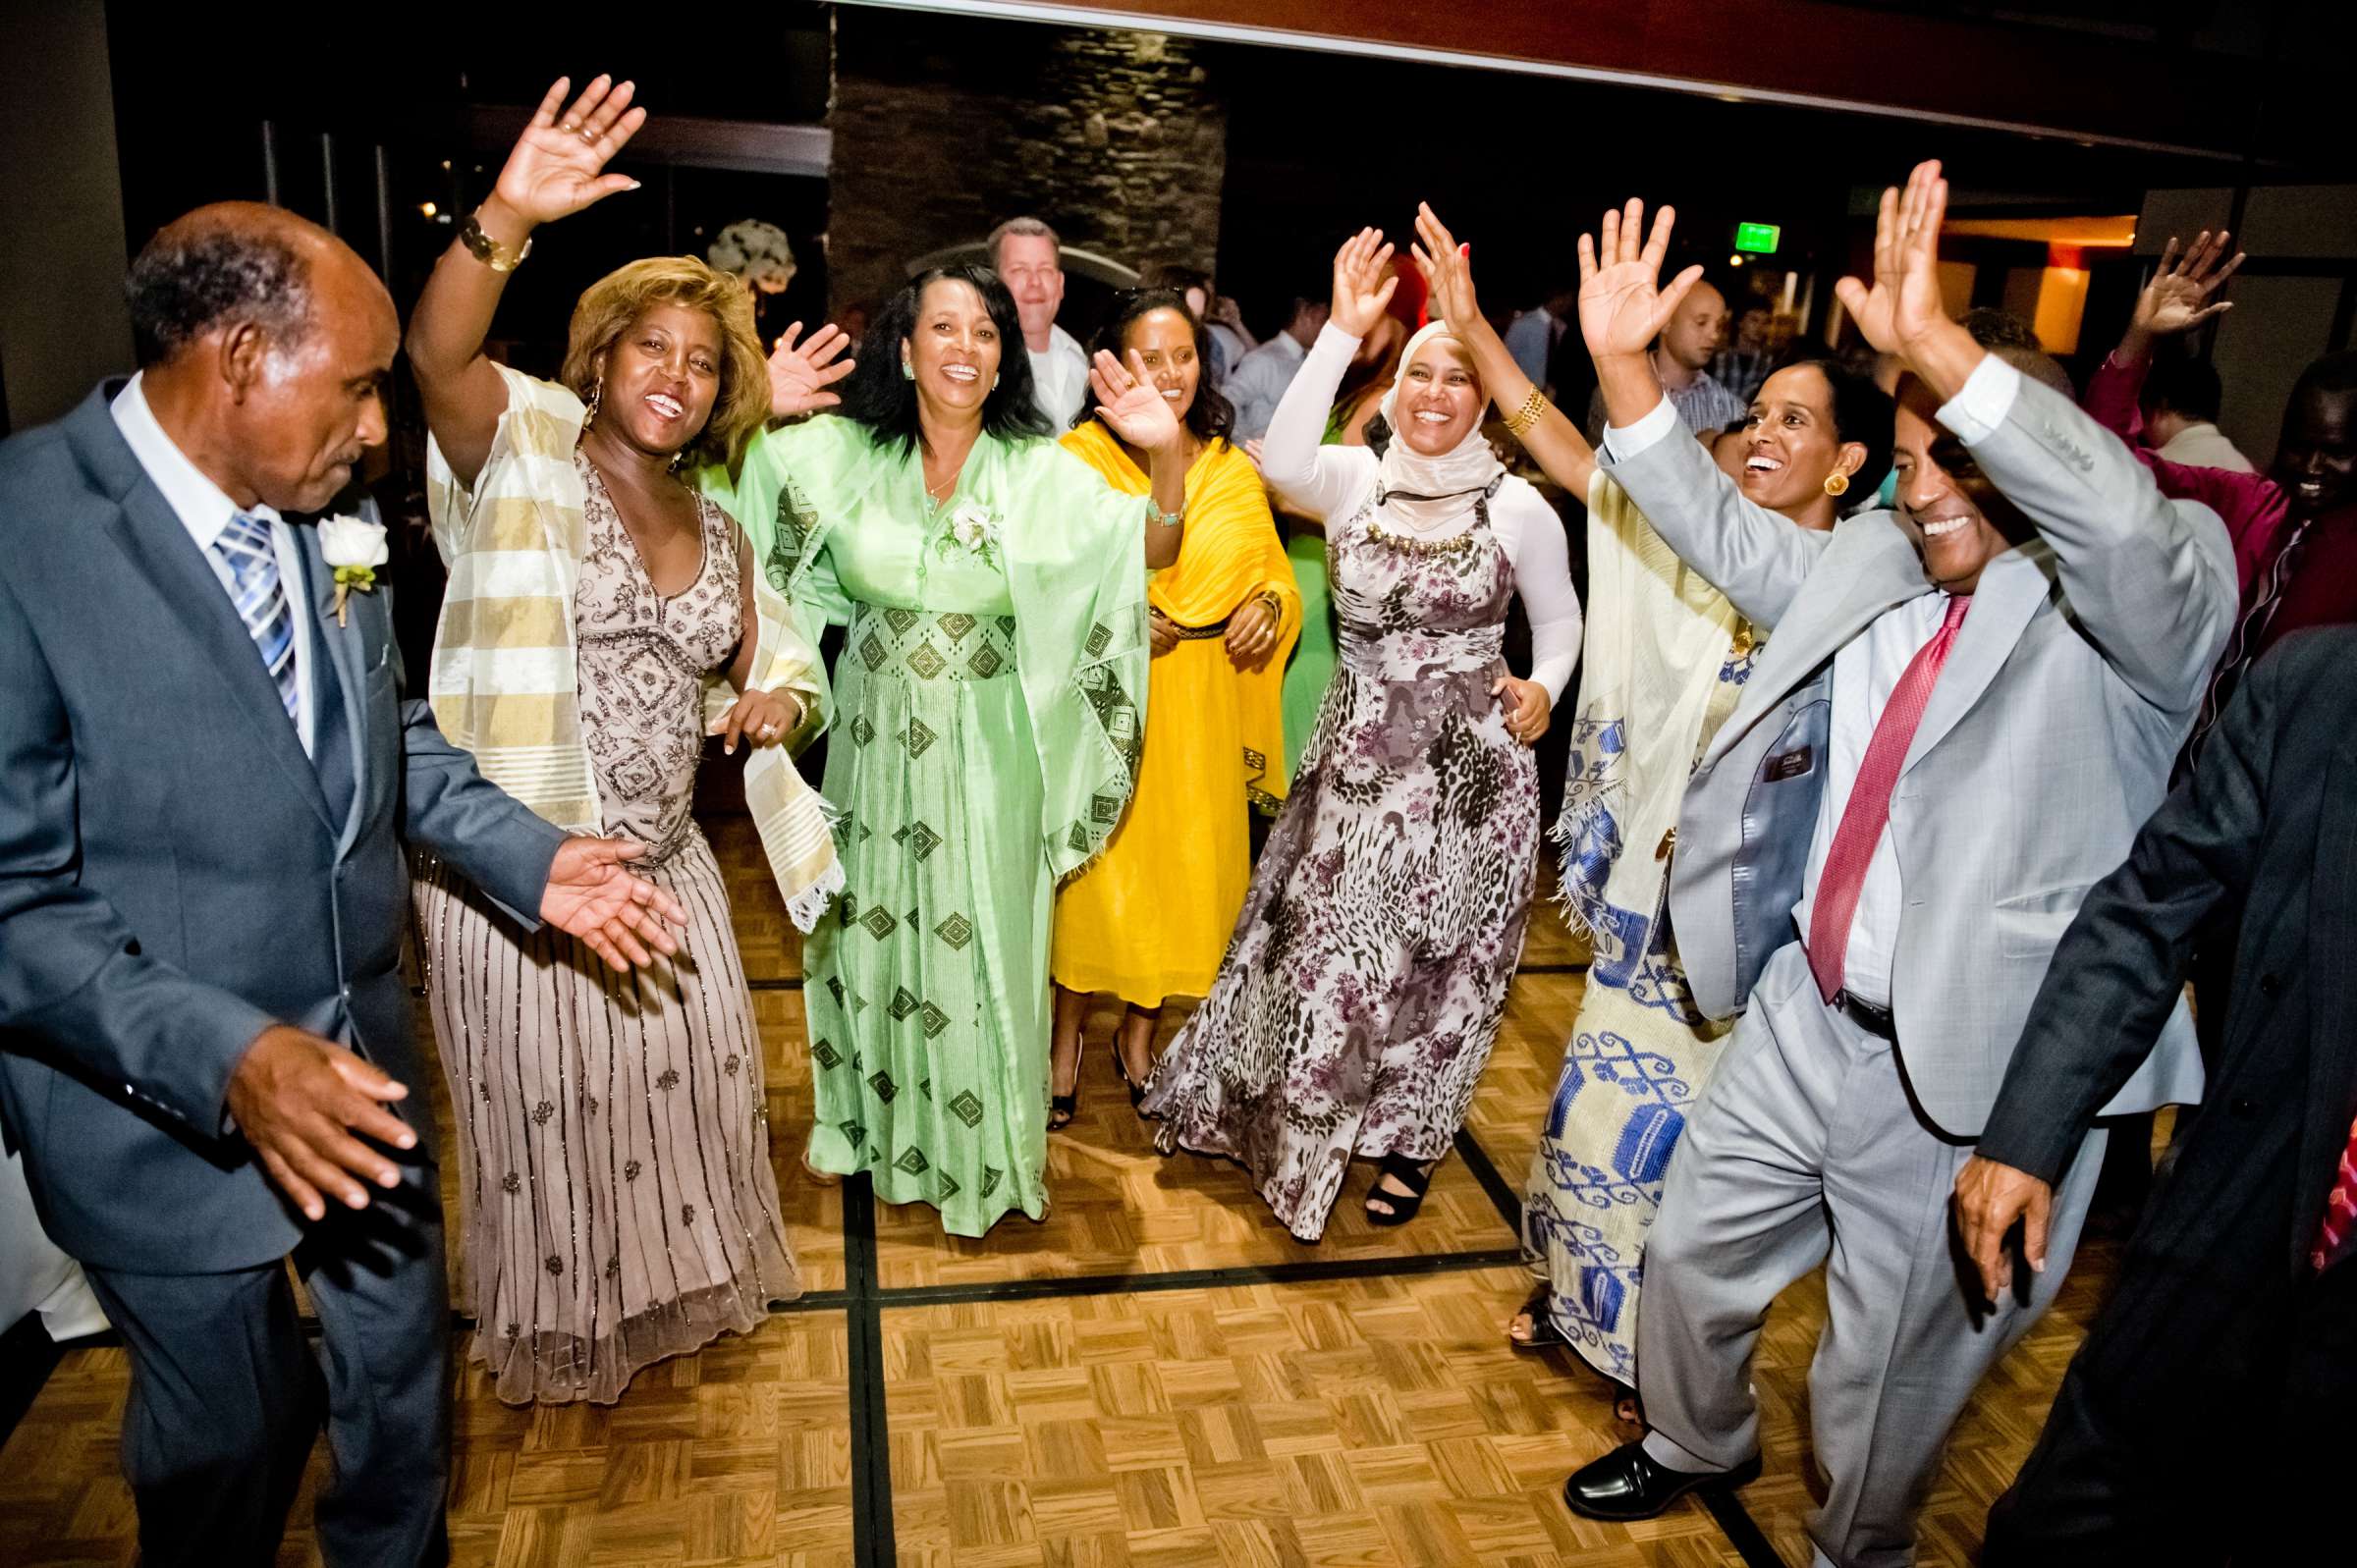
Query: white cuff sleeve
1988	394
1623	445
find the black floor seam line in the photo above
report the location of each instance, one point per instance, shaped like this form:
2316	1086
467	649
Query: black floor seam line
873	1545
1727	1509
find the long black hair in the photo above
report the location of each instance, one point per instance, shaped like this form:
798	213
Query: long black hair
1210	418
879	396
1863	413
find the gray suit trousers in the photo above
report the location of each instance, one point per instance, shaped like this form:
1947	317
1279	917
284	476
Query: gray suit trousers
1806	1148
226	1397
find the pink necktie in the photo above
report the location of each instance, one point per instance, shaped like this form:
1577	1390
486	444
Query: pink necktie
1869	809
2341	1209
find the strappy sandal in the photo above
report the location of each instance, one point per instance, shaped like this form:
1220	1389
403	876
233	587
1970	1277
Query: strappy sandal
1062	1109
1405	1205
1120	1070
1543	1331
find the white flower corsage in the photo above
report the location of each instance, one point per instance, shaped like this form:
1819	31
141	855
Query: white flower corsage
973	529
354	548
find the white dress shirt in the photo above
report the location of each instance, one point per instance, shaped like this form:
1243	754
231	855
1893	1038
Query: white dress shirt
2202	445
1866	670
204	511
1257	385
1060	379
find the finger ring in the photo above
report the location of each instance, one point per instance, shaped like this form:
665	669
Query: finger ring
569	127
769	731
586	135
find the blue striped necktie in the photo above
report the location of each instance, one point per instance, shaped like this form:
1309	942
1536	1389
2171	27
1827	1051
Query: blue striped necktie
245	547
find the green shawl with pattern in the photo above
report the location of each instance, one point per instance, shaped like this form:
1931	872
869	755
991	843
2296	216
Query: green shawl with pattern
1073	554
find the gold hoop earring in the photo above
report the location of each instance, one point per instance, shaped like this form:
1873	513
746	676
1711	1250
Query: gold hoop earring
597	394
1836	484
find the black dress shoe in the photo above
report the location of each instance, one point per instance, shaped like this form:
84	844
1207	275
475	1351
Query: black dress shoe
1627	1483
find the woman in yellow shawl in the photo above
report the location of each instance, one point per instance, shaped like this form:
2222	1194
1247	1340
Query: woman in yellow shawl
1151	918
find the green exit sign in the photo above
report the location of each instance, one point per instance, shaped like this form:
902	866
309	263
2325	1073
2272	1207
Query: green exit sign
1759	239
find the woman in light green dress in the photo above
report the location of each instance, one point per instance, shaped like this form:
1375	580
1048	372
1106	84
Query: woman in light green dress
989	709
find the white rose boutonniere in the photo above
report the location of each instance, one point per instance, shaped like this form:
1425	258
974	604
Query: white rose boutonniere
354	548
975	530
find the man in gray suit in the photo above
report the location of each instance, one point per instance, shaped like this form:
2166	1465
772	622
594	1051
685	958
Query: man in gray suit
206	778
1965	712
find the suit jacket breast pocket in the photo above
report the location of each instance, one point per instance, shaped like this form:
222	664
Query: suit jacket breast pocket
2030	925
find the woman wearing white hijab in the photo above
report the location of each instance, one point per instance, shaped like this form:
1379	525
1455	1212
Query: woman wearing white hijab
1363	990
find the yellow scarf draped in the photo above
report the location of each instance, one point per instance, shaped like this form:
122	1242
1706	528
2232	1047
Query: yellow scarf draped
1232	554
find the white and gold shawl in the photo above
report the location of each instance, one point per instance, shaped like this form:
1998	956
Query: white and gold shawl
503	681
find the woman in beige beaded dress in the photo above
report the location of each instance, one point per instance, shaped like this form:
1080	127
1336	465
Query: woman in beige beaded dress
617	1200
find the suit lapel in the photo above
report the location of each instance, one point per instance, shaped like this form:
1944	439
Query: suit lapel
1865	579
157	545
2331	929
342	645
2009	592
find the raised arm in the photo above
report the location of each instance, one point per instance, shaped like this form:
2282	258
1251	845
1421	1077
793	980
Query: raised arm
1304	472
1554	441
552	170
1755	557
1140	416
2150	580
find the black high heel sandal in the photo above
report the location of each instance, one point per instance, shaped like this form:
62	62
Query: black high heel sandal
1120	1070
1062	1109
1408	1174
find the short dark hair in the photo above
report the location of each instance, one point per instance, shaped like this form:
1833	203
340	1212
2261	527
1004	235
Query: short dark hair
1210	418
2332	376
1994	329
879	396
1863	413
2185	386
192	277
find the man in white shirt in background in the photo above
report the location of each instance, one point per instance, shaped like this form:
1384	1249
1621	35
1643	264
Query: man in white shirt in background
1258	384
1533	334
1024	253
2181	397
1681	359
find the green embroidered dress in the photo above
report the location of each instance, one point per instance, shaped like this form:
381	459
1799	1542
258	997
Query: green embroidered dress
989	704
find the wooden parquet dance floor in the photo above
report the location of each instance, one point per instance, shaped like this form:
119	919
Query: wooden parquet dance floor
1157	1376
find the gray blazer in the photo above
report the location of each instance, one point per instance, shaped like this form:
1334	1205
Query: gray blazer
175	873
2048	742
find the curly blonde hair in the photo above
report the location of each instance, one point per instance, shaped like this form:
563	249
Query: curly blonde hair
609	307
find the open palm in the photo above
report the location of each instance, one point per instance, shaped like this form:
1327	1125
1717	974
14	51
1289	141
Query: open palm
1904	301
1622	306
1364	281
1446	268
2178	299
1130	403
799	375
554	169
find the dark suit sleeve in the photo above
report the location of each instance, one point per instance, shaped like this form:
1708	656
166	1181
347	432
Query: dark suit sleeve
2119	970
74	983
494	841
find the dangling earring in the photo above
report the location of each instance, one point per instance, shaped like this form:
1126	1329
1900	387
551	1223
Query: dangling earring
1836	483
597	395
908	370
994	383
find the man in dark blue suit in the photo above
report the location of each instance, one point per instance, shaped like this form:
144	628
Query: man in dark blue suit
206	777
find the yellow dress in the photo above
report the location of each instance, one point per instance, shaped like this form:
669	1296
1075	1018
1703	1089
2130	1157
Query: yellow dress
1151	918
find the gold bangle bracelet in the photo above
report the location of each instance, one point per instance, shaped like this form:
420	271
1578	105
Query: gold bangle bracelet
490	251
1527	415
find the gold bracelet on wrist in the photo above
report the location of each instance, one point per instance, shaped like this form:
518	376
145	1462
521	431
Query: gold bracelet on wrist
1527	415
1162	518
490	251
